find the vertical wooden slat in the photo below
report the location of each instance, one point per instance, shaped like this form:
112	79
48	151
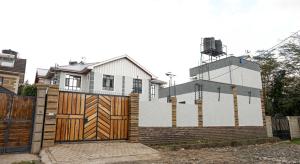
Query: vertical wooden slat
58	127
65	103
78	101
69	103
74	103
82	104
60	103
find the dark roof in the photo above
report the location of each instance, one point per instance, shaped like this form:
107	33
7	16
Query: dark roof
20	66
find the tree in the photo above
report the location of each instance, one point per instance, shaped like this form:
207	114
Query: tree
27	90
281	78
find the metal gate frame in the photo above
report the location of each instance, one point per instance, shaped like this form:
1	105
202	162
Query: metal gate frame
281	127
8	120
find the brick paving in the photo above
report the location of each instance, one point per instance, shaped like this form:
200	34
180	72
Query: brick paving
103	152
11	158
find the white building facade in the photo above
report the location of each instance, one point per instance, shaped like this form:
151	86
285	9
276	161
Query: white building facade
213	83
118	76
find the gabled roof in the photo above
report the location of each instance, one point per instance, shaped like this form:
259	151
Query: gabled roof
121	57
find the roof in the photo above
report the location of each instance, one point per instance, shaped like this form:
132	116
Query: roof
4	90
160	82
19	66
78	67
126	57
41	72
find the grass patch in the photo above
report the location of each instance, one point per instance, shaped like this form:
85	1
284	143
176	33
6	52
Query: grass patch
296	141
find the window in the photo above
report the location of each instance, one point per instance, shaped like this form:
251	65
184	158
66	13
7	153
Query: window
152	91
72	82
1	80
108	82
137	86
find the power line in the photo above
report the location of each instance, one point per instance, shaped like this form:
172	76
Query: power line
273	47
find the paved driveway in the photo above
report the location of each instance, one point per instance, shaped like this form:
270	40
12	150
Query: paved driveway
98	152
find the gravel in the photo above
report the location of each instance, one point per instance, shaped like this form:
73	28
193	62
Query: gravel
281	152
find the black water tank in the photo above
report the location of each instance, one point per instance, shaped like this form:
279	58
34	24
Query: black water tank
219	47
9	52
209	44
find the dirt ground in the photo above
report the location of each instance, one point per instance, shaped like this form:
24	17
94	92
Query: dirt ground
282	152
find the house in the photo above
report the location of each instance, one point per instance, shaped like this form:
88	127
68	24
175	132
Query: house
12	70
117	76
225	86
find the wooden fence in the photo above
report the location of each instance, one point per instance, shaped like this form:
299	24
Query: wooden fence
16	120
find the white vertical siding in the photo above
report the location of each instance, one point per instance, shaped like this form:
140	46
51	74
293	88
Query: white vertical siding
218	113
128	85
122	67
249	114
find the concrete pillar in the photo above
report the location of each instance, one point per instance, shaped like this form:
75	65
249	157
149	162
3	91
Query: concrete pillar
200	112
269	126
133	129
235	106
50	116
294	126
39	118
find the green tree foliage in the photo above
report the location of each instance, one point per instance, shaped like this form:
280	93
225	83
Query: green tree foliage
281	79
27	90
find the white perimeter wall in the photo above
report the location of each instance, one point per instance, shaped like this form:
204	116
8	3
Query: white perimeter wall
155	114
249	114
187	115
217	113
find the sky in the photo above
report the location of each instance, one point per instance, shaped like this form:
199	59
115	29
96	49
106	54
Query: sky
162	35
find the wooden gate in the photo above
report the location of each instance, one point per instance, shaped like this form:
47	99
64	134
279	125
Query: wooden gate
91	117
16	122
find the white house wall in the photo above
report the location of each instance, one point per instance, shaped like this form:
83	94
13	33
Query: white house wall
239	75
187	115
155	114
84	81
217	113
249	114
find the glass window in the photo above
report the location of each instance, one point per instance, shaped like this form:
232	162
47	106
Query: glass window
72	82
137	86
108	82
152	91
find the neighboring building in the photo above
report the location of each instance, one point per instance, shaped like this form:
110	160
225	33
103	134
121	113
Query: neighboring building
216	92
41	76
118	76
12	70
